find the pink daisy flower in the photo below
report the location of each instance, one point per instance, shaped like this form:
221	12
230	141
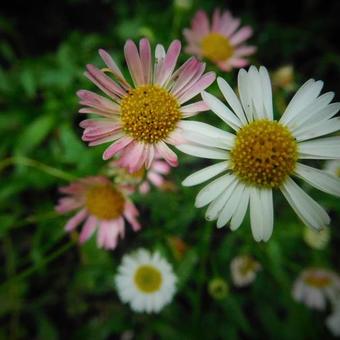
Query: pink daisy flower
222	42
143	178
101	206
141	120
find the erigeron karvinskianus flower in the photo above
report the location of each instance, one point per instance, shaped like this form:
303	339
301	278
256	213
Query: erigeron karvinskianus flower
140	120
264	154
143	178
145	281
315	286
243	270
222	41
100	206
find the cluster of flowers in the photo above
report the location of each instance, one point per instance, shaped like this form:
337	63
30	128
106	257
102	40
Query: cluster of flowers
141	118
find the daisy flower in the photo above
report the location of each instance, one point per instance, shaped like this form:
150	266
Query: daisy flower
314	286
143	178
333	320
146	281
264	154
243	270
140	120
222	42
100	206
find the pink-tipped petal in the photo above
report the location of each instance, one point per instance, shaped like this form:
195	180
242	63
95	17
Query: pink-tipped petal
169	63
116	147
243	34
191	109
229	26
114	68
165	152
130	213
161	167
75	220
134	63
156	179
201	85
200	23
88	98
244	51
146	60
216	20
88	229
144	188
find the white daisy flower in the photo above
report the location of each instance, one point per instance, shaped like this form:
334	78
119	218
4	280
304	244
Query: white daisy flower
146	281
263	153
314	286
243	270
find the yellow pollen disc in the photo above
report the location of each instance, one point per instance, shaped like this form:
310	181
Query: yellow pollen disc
148	279
105	202
149	113
216	47
264	154
317	281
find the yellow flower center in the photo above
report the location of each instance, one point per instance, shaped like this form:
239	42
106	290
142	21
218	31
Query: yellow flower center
148	279
317	281
248	265
216	47
149	113
264	154
105	202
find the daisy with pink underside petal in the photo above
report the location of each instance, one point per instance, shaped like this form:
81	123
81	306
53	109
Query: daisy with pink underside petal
100	206
222	41
143	178
140	120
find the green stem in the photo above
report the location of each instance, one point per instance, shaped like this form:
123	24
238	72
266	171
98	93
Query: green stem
20	160
35	268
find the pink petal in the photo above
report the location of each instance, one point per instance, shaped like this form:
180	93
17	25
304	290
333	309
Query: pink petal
106	82
145	57
190	109
161	167
150	151
98	112
192	37
202	84
67	204
134	63
216	20
200	23
75	220
243	34
133	157
244	51
238	62
176	137
156	179
230	25
114	68
88	98
169	62
130	213
167	153
106	139
144	188
88	229
116	147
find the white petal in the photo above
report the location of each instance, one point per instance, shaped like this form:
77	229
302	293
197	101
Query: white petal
212	190
231	205
303	97
318	129
254	84
221	110
241	210
216	206
223	137
322	148
310	212
266	92
319	179
203	151
261	213
205	174
232	99
245	97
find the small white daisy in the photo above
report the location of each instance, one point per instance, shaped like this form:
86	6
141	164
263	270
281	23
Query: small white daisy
243	270
263	153
314	286
146	281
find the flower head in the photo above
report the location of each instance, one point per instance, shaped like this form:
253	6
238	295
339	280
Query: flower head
139	120
264	154
143	178
100	206
314	286
218	288
243	270
146	281
222	41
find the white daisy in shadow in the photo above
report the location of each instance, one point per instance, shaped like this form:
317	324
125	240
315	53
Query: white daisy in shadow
264	154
